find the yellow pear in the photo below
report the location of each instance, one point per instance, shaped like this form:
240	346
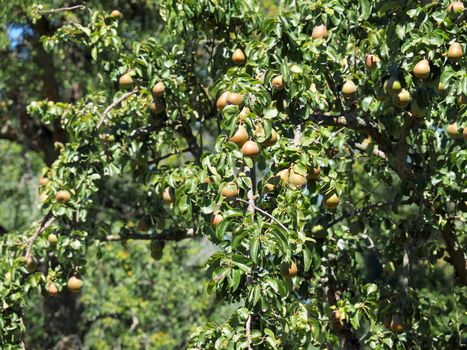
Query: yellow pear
422	69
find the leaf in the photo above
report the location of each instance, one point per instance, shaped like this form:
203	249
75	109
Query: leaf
254	248
366	9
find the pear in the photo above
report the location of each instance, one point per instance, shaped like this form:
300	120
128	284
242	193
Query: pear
158	89
62	196
331	201
314	173
272	140
320	32
126	81
392	86
222	100
278	83
74	284
229	190
396	324
296	179
464	133
422	69
157	107
402	99
234	98
451	130
455	51
216	219
168	196
349	88
455	8
289	269
250	149
240	136
52	239
31	264
238	57
43	181
116	14
52	289
243	114
371	62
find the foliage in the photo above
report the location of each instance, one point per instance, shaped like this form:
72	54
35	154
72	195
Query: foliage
370	264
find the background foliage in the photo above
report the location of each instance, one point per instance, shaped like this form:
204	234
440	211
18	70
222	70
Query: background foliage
384	269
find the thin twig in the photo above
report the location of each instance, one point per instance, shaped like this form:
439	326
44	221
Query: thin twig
167	235
265	213
63	9
157	160
248	332
45	223
114	104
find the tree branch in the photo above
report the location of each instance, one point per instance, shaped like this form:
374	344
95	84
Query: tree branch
174	235
248	332
115	104
63	9
455	252
356	123
265	213
45	223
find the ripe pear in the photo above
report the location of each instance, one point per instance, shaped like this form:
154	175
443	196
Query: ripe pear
158	89
314	173
157	107
216	219
52	289
288	269
371	62
238	57
222	100
320	31
451	129
392	86
43	181
331	201
126	81
229	190
278	83
402	99
116	14
272	140
240	136
349	88
464	133
250	149
284	175
74	284
396	324
243	114
268	187
296	179
422	69
455	51
168	196
52	239
336	316
31	264
455	8
234	98
62	196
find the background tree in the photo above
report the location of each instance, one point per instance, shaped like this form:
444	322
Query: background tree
317	145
